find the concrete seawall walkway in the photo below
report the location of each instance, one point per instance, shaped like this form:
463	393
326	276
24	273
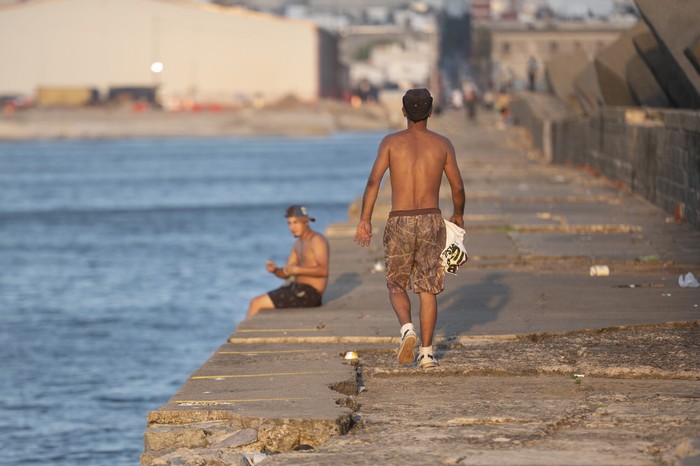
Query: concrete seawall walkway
540	362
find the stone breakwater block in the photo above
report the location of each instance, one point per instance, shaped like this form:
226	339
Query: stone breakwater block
674	24
693	54
656	61
588	89
642	82
611	65
561	73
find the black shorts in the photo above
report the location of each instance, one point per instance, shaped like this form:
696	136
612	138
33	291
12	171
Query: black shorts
295	295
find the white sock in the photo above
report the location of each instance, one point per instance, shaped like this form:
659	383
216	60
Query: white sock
408	326
426	349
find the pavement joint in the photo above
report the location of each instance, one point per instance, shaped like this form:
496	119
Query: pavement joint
280	330
315	340
271	374
578	229
271	352
229	402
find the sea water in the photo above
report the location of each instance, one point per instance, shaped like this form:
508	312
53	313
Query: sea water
125	263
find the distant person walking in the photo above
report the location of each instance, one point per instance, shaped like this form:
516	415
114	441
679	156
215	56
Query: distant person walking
470	101
414	235
306	268
532	73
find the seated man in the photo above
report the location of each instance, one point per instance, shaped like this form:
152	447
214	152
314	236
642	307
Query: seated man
306	268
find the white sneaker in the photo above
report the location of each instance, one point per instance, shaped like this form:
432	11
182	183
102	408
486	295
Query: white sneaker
427	361
408	342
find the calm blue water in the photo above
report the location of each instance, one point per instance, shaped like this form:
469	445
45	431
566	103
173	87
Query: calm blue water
124	264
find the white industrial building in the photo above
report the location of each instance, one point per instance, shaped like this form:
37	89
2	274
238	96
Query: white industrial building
189	50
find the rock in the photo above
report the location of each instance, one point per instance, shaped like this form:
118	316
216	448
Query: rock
168	438
201	457
237	439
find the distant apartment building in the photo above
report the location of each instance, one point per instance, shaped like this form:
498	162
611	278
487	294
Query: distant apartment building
187	50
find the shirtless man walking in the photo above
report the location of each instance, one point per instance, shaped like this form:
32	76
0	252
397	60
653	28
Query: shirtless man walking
307	266
414	235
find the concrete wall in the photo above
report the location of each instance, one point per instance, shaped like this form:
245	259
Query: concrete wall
209	53
655	153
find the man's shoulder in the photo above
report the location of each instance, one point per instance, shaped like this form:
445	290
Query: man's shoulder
439	136
317	236
389	138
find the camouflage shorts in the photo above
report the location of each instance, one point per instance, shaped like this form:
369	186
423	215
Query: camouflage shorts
413	241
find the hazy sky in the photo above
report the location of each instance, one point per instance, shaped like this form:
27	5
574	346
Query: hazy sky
598	6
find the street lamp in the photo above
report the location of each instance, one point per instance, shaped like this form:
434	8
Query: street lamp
157	67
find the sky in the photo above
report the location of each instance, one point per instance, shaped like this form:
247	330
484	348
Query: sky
575	6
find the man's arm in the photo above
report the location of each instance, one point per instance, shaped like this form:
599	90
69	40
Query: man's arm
381	164
454	177
319	249
283	272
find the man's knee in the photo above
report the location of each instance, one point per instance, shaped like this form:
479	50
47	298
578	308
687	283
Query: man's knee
261	302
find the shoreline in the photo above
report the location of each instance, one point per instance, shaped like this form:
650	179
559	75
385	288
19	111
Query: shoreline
324	118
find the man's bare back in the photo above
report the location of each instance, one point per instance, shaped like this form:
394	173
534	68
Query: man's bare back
417	159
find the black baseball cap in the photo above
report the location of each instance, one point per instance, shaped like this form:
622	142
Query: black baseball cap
417	103
296	210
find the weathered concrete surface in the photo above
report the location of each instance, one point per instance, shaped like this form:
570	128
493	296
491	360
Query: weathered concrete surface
514	328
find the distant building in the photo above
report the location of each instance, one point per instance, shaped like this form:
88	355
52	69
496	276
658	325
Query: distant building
190	51
515	47
389	56
481	10
400	65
